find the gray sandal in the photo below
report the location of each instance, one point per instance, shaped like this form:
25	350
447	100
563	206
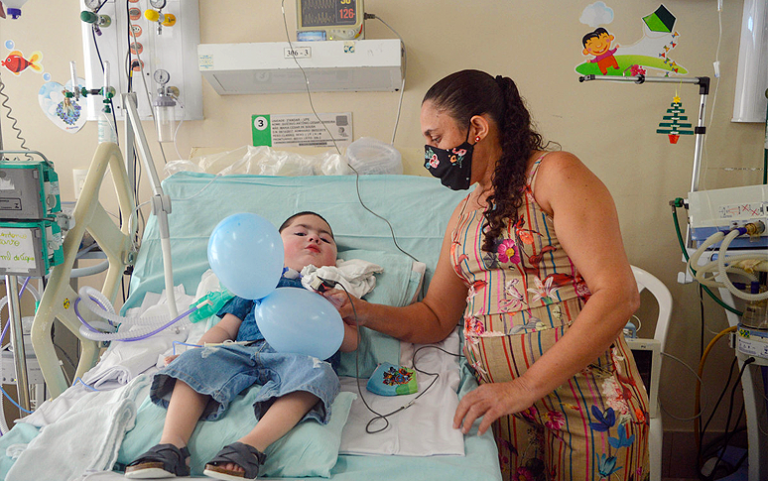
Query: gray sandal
245	456
161	461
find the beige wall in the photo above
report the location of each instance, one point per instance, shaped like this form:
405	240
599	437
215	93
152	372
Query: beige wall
610	126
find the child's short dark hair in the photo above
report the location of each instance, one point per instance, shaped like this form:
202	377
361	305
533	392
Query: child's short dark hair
596	34
299	214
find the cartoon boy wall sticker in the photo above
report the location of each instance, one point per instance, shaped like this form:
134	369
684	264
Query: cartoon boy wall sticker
650	55
598	43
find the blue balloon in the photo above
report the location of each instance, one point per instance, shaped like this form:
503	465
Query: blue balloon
300	321
245	252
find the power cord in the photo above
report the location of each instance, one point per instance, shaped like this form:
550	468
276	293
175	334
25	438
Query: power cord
333	139
378	415
23	144
729	435
371	16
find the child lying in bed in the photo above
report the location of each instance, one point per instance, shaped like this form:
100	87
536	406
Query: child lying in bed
202	382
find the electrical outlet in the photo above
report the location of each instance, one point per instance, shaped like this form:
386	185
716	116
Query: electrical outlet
78	180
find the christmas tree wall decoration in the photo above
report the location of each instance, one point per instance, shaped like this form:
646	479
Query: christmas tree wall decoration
673	127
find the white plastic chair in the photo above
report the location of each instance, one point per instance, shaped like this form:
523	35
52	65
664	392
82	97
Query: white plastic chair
646	281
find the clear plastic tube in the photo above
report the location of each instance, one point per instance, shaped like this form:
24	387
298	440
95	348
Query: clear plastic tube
714	268
727	282
4	301
130	335
98	303
693	261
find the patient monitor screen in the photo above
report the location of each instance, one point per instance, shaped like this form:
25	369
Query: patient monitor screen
327	13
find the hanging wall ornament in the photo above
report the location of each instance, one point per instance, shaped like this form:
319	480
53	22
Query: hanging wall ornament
66	112
671	124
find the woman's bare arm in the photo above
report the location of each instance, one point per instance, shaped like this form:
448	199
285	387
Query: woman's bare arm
430	320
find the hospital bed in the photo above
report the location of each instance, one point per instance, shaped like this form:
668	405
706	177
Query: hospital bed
412	447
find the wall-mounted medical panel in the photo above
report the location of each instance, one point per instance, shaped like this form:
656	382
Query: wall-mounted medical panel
171	47
261	68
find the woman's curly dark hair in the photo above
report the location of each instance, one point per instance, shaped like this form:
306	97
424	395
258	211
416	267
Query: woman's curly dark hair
468	93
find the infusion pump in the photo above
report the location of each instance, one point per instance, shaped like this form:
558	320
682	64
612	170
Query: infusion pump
329	20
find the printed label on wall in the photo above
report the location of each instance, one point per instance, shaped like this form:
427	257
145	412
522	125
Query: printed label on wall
302	130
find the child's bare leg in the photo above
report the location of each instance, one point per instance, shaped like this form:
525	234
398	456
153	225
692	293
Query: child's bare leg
284	413
184	411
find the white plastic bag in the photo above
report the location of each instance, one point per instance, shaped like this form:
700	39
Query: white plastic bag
263	161
372	156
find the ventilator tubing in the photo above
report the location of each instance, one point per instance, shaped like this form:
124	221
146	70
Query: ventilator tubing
103	308
719	266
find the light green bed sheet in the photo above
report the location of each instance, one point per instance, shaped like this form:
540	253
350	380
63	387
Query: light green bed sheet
418	209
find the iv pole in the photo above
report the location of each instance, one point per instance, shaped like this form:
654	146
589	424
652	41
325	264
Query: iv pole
17	332
161	203
699	131
758	462
136	142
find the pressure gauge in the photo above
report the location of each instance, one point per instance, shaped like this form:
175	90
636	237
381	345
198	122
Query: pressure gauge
161	76
93	4
158	4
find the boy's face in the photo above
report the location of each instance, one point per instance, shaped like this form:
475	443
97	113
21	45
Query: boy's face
308	240
598	46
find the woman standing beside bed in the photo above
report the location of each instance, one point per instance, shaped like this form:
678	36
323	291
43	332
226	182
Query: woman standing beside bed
534	264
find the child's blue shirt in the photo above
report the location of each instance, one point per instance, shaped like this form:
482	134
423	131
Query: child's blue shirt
245	309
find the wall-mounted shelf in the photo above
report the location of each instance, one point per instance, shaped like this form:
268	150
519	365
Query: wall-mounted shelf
259	68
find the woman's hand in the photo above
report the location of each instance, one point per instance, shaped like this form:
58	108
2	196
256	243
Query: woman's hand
341	300
491	401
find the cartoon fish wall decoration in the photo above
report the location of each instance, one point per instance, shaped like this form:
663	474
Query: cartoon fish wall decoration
16	63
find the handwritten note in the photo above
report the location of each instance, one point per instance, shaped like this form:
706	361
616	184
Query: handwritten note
17	250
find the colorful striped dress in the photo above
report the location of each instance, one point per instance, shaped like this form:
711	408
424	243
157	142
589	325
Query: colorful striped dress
522	298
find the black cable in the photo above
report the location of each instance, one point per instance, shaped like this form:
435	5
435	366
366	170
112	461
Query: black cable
357	371
130	61
714	410
23	141
333	139
391	229
701	327
101	64
66	356
726	441
728	435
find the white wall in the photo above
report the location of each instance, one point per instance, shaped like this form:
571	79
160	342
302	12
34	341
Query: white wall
610	126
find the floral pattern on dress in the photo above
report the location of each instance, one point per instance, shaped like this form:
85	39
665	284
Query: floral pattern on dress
554	420
607	466
527	276
604	421
508	252
513	301
544	291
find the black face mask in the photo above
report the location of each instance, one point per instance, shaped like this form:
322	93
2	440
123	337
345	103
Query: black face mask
452	166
